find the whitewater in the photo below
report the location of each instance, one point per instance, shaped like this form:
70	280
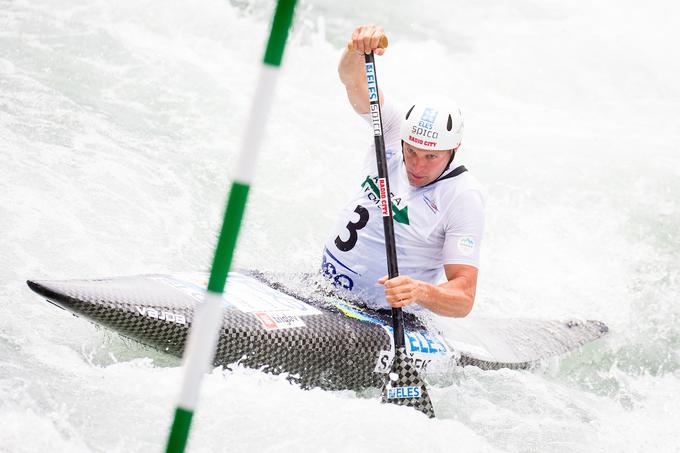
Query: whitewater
120	123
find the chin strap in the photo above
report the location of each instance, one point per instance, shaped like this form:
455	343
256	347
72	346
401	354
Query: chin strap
453	154
456	171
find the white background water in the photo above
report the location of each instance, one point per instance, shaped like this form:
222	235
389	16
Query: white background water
119	124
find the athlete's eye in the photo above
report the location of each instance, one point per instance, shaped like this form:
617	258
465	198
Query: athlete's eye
432	156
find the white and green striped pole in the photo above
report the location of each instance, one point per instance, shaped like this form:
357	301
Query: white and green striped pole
207	321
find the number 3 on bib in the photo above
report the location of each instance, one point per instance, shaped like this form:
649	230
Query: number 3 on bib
353	227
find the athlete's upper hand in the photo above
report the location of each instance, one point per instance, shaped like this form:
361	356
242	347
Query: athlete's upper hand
403	290
366	38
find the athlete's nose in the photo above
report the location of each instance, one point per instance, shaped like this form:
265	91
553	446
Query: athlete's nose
418	163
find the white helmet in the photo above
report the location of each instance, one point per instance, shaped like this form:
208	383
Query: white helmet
436	126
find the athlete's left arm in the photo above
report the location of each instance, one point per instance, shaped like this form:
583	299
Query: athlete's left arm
454	298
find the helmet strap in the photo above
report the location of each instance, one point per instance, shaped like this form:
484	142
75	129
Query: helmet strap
453	154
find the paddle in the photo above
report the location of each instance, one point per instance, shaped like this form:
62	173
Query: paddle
403	385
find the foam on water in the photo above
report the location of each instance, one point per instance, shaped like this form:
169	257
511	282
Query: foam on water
119	123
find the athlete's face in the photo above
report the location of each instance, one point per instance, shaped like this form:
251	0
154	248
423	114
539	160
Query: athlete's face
424	166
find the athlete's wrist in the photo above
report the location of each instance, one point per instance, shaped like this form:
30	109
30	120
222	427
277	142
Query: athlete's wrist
424	293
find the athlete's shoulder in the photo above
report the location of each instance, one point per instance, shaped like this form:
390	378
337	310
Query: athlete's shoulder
463	183
464	206
469	182
391	116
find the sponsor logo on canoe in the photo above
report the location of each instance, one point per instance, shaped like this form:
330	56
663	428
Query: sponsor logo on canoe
422	347
403	392
277	321
162	315
385	359
424	343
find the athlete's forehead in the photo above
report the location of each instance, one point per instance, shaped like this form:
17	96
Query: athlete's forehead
424	151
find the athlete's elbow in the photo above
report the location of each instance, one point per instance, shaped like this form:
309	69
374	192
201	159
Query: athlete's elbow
459	308
466	306
463	307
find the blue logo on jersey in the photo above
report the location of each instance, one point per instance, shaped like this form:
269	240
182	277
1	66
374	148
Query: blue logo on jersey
330	272
431	204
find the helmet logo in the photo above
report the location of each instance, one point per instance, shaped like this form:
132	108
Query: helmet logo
424	132
428	118
425	128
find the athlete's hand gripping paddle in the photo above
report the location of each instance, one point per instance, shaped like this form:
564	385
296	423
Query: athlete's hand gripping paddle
403	386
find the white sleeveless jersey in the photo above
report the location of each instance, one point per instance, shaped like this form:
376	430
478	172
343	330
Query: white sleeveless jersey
435	225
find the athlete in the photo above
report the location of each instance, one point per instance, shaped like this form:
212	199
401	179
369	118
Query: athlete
438	207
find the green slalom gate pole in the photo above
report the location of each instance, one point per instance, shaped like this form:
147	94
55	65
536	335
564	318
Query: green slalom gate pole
207	321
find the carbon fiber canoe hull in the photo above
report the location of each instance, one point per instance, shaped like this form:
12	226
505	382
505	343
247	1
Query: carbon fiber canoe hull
318	343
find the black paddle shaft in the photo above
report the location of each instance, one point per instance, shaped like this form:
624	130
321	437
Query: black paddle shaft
384	190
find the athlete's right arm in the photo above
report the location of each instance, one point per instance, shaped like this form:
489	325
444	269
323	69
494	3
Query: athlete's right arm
365	38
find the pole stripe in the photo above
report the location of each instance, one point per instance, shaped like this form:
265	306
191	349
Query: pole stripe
257	119
179	433
200	349
226	243
283	17
205	327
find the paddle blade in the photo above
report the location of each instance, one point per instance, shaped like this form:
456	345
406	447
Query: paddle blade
405	387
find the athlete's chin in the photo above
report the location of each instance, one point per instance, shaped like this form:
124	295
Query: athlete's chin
417	182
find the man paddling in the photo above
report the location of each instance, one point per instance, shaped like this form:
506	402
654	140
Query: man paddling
438	207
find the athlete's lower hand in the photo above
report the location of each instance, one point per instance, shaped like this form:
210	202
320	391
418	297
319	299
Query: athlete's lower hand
402	290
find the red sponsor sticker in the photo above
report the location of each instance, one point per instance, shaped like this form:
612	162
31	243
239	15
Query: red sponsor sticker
415	139
422	142
267	321
278	320
382	186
